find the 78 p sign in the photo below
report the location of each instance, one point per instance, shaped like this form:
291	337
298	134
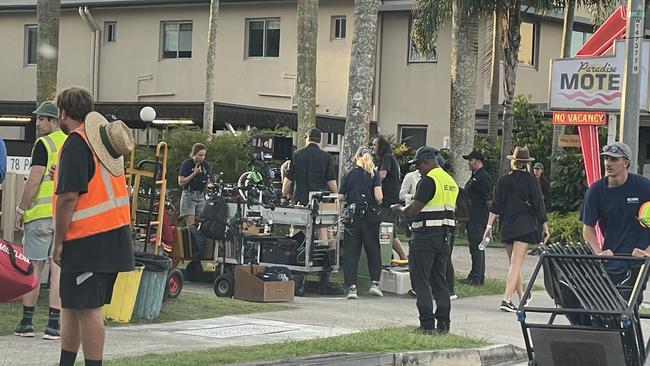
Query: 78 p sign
18	164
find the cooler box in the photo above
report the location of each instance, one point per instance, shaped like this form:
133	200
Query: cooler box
125	293
397	281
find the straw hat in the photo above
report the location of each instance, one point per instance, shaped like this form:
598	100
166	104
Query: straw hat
109	141
521	154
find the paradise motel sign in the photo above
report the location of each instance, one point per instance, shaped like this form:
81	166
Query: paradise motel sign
592	84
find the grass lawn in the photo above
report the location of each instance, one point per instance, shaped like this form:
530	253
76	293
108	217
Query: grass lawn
187	306
381	340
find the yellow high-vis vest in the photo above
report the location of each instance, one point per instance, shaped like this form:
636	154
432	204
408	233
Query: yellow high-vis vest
41	205
439	211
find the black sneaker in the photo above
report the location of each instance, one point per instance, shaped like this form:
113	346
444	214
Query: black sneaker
51	333
527	301
24	330
508	306
412	293
422	330
442	327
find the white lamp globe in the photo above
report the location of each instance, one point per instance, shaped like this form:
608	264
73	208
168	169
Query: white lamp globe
147	114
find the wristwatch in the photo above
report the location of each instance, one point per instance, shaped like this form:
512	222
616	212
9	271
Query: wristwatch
20	210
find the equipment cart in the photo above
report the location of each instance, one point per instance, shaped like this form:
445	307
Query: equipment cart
600	321
252	237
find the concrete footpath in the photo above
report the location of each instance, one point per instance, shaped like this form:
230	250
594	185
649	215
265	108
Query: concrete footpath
310	317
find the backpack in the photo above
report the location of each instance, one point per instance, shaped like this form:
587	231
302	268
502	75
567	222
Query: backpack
463	205
213	219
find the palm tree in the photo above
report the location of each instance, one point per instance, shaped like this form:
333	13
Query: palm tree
495	76
208	106
48	13
361	80
430	16
306	81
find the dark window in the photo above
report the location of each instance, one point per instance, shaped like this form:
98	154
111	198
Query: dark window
263	38
31	40
413	136
338	27
331	138
177	40
110	32
415	55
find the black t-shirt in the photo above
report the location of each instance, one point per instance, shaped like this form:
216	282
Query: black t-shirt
108	252
200	180
310	170
390	185
479	190
39	155
359	187
546	192
518	202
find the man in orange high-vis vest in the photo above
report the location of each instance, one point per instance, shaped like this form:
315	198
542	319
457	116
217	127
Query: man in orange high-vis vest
91	209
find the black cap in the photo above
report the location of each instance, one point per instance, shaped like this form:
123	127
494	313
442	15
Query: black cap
314	133
423	153
475	155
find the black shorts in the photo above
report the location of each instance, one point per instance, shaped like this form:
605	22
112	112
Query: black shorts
530	238
388	216
94	292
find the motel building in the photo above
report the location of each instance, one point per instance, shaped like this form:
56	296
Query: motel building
136	53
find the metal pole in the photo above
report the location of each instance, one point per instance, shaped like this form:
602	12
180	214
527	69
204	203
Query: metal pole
612	122
632	80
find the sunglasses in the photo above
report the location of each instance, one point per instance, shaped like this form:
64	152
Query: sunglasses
615	149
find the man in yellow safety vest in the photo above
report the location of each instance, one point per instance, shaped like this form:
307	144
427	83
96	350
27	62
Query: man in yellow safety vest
34	217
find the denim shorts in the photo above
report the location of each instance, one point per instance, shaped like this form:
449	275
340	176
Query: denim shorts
192	202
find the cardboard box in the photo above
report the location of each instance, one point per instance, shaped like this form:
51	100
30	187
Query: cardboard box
249	287
328	207
395	281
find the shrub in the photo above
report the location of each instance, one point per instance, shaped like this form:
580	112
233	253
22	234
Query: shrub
565	228
569	186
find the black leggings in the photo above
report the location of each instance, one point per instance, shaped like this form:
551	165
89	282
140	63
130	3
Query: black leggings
359	234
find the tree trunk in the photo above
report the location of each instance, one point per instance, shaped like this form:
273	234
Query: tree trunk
208	106
361	80
464	58
495	75
567	31
306	83
48	13
512	36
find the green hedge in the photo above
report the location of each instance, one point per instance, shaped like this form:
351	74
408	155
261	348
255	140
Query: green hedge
565	228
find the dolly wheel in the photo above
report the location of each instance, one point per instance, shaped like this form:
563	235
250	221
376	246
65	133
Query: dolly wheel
224	285
193	271
174	283
299	282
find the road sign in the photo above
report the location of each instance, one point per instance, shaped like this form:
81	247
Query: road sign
569	141
18	164
579	118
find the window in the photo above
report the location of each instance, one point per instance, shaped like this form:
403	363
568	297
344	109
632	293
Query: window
414	136
528	45
415	55
331	139
577	40
263	38
31	40
338	27
176	40
110	29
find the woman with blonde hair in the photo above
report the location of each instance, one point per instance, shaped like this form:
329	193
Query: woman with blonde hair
519	205
360	196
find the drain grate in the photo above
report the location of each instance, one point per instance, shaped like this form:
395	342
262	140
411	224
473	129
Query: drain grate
231	331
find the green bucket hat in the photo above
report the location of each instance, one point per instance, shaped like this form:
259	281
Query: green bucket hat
47	109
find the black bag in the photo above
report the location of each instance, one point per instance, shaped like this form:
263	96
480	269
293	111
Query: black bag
463	206
213	219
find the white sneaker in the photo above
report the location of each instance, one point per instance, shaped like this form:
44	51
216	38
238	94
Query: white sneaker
375	291
352	293
453	297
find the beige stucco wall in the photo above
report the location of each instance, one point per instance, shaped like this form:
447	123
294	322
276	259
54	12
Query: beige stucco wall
131	69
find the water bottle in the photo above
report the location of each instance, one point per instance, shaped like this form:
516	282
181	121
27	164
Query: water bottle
486	241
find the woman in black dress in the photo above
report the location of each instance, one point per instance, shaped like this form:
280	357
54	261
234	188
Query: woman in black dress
522	218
